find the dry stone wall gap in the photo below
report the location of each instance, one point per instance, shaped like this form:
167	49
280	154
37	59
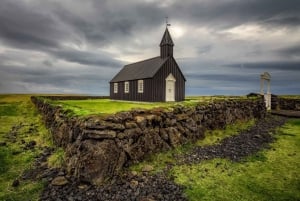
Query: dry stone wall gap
98	148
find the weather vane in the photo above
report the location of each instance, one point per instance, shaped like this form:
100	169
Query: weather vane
167	23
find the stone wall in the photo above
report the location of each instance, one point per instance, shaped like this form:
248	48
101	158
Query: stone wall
55	97
286	104
100	147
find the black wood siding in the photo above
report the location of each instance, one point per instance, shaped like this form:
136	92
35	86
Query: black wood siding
159	81
166	51
133	94
154	88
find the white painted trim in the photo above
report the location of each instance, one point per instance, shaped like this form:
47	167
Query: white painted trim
140	86
116	88
171	77
126	87
170	88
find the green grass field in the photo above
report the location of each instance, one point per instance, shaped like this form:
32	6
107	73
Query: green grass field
290	96
103	106
18	111
107	106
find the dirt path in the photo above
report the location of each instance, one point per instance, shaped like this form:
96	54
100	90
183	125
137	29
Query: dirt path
148	187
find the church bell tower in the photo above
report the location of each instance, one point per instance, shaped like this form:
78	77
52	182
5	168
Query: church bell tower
166	45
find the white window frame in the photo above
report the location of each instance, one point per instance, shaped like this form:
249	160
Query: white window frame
116	88
140	86
126	87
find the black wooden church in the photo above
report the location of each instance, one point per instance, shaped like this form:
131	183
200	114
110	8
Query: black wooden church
157	79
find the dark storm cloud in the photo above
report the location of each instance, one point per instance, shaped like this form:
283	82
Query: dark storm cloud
224	14
47	63
293	51
49	24
24	26
43	33
205	49
291	21
222	77
46	79
87	58
47	27
272	65
110	21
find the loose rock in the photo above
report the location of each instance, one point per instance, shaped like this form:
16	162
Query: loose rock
2	144
59	181
15	183
147	168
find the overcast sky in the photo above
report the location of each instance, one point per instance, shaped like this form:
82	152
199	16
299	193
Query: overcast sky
75	46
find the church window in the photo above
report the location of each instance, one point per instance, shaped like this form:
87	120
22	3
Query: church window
115	88
126	87
140	86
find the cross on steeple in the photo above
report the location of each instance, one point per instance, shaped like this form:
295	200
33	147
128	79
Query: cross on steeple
166	44
167	23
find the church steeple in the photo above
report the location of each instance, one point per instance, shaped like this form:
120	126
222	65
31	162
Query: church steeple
166	45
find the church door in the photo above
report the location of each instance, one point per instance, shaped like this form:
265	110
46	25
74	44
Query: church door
170	88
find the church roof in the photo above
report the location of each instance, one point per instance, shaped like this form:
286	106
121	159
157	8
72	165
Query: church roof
166	39
140	70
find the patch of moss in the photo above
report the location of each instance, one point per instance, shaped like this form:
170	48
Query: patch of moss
215	136
57	159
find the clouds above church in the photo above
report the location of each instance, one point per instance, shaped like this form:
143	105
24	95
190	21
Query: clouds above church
68	46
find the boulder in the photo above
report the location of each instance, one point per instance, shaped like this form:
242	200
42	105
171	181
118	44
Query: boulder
141	121
96	161
163	134
129	125
174	136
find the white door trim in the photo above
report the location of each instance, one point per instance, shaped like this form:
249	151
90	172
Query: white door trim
170	88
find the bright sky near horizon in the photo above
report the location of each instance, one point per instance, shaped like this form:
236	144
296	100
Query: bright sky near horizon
72	46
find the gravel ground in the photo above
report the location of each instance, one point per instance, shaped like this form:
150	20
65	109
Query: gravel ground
147	187
236	147
144	187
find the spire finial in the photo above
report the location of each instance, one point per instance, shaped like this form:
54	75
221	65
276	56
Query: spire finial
167	23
